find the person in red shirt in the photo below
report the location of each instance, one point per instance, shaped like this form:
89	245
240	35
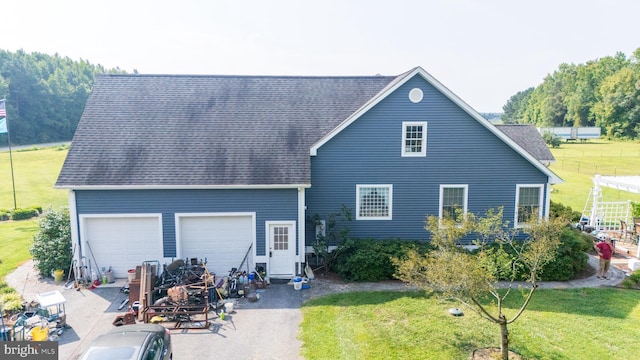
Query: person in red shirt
605	250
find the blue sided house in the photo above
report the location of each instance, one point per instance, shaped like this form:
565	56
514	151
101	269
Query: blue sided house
166	167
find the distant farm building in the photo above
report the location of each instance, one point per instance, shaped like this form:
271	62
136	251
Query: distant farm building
573	133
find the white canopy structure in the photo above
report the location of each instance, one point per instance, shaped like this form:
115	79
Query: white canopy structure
626	183
607	215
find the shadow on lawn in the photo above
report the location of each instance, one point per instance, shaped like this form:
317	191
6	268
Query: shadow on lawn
602	302
373	297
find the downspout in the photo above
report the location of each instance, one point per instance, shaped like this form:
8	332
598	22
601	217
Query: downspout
75	227
547	205
302	208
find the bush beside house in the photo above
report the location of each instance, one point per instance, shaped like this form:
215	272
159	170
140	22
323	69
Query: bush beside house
51	249
370	260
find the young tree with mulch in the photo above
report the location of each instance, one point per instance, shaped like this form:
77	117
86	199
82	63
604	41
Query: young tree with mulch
453	272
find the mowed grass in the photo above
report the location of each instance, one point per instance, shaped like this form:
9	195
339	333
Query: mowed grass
558	324
16	239
35	172
577	163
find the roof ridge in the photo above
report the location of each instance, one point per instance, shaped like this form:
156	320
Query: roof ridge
377	76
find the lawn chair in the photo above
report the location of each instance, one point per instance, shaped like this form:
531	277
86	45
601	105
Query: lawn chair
625	232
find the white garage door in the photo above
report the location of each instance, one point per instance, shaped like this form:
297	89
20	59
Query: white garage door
122	242
223	240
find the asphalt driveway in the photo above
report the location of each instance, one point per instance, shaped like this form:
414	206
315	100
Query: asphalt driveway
265	329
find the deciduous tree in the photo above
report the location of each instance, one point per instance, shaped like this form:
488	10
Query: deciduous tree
451	271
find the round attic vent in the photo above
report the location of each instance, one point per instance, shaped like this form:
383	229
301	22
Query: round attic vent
415	95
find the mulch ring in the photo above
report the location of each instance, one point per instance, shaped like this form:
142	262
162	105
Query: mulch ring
492	354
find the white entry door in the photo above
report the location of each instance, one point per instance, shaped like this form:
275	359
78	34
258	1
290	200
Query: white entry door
282	245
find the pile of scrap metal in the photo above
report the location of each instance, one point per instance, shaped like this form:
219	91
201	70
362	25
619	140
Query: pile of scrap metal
179	296
40	320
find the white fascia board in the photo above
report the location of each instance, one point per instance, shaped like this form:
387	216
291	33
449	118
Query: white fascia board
553	178
390	88
402	79
181	187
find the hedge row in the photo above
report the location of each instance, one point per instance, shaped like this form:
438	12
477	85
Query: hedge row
20	214
370	260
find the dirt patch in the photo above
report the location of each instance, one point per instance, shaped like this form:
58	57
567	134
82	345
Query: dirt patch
326	282
587	272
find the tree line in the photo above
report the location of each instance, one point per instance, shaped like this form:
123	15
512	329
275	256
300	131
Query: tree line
603	93
45	95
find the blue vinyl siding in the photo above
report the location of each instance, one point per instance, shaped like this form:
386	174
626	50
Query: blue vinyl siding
269	205
459	151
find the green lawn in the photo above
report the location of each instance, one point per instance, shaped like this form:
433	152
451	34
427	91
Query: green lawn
35	172
16	240
558	324
577	163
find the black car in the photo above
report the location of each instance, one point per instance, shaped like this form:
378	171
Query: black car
131	342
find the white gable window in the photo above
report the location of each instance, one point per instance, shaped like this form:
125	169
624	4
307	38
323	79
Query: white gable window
528	203
414	138
453	201
374	202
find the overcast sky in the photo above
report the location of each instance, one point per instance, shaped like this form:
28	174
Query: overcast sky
485	51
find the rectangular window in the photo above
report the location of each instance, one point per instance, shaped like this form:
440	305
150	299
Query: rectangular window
453	201
414	138
528	203
374	202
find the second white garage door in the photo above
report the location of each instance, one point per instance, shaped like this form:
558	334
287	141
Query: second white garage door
222	239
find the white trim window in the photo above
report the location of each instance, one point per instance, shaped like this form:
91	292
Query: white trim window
528	203
453	200
374	202
414	139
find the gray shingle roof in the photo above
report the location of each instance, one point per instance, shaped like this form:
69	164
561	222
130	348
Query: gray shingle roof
191	131
528	137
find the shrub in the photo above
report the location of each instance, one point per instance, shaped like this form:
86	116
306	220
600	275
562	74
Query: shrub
24	214
51	247
551	139
635	209
632	281
5	215
559	210
335	233
570	258
370	260
500	260
10	303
